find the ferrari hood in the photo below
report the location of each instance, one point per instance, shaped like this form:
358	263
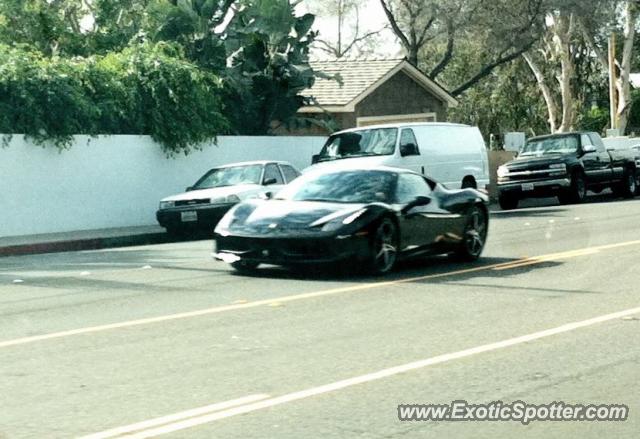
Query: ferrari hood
259	215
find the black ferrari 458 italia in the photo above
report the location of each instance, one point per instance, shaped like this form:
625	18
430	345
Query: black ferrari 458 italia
361	217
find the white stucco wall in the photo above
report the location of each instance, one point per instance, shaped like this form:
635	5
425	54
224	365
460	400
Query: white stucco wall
115	181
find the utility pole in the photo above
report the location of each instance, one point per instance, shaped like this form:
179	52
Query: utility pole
613	101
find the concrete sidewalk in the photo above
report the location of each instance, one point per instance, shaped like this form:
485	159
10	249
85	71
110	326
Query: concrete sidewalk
82	240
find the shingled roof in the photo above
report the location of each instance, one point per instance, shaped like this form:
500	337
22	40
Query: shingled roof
360	77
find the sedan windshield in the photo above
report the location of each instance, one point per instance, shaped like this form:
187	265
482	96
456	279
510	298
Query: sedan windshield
342	187
551	145
376	141
231	176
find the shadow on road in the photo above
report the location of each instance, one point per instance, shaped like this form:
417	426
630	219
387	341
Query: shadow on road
415	270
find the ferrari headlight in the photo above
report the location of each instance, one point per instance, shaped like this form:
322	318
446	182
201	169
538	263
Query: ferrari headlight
351	218
503	171
167	204
225	223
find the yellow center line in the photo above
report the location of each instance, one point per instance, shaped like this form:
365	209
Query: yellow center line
311	295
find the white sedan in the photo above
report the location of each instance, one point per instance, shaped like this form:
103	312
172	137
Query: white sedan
204	203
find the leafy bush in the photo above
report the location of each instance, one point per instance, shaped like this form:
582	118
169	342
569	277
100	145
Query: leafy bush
145	89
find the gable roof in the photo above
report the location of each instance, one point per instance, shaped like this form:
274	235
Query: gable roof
360	78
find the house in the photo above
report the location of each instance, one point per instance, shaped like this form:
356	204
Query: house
372	91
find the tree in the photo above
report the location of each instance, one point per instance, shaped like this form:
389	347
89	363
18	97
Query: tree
570	65
268	64
596	35
350	36
431	30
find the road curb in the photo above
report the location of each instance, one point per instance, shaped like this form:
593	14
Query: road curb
84	244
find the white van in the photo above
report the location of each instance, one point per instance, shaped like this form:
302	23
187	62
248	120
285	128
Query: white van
452	154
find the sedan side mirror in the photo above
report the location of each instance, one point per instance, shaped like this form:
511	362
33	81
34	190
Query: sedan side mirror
269	181
418	201
189	189
588	148
315	159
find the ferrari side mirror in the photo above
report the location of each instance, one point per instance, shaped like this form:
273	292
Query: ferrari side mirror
418	201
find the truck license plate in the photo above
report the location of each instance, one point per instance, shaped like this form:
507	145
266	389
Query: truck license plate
189	216
527	187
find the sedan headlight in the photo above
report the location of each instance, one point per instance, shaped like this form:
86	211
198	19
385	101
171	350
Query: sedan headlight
503	171
167	204
225	200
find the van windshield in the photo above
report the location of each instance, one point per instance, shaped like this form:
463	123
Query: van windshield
361	143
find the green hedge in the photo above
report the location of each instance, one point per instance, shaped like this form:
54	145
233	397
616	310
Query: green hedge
145	89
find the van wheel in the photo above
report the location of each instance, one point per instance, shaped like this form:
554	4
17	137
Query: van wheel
469	183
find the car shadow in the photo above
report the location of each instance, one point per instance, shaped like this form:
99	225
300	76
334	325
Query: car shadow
413	270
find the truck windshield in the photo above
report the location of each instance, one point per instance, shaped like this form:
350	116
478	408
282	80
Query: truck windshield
367	142
550	145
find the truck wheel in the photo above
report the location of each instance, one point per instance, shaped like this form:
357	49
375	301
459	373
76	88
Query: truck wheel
507	202
577	192
627	187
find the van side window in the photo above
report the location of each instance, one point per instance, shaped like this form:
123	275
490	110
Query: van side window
408	143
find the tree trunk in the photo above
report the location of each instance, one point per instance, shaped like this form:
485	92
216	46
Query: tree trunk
562	45
623	84
552	107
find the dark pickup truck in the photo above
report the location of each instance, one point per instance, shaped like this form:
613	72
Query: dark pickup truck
566	165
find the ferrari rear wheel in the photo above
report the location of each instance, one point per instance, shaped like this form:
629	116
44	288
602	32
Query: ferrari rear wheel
475	235
384	247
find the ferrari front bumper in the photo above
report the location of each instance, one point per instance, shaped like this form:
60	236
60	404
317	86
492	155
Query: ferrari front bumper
290	250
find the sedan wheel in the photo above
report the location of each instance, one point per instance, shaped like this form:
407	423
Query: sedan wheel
475	235
384	249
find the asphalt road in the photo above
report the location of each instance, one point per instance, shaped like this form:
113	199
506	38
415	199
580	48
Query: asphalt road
92	342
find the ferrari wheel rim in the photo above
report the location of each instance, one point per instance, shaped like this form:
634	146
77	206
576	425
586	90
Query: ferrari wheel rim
385	247
476	233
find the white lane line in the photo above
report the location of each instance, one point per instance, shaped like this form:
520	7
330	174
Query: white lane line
115	432
385	373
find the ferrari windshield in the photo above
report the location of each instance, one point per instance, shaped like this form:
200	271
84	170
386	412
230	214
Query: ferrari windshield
367	142
231	176
342	187
550	145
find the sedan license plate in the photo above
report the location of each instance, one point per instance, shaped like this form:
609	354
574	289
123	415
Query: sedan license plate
189	216
527	187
